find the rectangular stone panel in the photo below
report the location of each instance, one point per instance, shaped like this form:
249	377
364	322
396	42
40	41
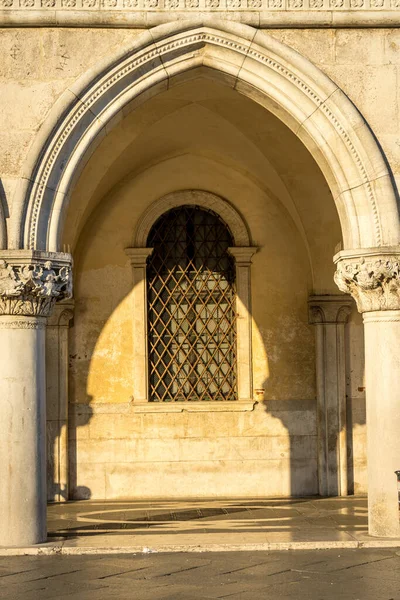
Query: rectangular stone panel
196	449
260	422
218	478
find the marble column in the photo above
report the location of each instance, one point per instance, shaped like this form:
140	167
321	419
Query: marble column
30	284
329	314
372	277
57	400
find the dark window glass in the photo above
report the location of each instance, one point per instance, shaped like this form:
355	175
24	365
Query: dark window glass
191	308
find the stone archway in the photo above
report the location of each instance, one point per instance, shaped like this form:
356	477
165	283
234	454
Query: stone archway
251	62
322	117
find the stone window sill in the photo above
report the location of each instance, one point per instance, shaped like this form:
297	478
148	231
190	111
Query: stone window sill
179	407
128	408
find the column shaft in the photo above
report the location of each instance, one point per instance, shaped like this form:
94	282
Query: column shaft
382	374
372	276
31	282
23	432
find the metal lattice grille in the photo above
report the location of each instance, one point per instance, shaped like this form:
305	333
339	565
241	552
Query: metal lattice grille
191	308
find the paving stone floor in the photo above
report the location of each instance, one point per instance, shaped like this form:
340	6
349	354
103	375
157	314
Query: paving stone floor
266	523
363	574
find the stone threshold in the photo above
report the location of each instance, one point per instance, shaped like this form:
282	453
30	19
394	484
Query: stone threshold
50	549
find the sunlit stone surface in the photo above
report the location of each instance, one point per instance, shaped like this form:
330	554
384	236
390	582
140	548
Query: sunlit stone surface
283	120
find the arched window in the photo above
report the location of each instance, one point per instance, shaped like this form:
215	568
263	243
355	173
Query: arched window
191	308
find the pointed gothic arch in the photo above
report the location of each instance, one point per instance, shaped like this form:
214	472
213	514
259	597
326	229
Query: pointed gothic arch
254	64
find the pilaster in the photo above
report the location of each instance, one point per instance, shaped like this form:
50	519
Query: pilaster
329	314
138	258
58	324
243	258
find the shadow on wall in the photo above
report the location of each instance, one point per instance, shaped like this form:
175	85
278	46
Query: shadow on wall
100	363
60	449
298	418
79	419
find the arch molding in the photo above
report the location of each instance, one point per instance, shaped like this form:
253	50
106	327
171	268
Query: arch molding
254	64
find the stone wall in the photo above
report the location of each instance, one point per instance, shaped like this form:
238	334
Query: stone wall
120	454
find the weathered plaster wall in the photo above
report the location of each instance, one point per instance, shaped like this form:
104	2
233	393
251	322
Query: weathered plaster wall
36	68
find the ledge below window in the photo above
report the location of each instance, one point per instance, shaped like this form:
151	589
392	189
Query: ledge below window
179	407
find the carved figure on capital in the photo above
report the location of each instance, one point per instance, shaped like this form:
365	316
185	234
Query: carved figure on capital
32	288
9	285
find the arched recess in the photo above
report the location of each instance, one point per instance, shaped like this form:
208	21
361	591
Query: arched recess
251	62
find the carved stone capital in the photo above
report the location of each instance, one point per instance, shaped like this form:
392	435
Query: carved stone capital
372	277
243	254
32	281
62	314
332	308
138	256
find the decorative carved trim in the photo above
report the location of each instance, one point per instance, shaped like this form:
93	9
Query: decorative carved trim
329	309
387	316
24	323
31	282
192	6
131	70
372	278
224	209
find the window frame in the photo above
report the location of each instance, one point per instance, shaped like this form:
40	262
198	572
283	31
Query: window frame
242	252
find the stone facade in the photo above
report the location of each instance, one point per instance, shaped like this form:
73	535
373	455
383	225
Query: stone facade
112	114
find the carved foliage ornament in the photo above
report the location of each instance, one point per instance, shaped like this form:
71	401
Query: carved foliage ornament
32	289
374	282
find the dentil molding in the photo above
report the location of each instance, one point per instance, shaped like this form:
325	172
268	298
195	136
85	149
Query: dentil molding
147	13
31	282
372	278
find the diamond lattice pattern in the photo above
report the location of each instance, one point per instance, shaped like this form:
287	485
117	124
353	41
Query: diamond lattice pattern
191	308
